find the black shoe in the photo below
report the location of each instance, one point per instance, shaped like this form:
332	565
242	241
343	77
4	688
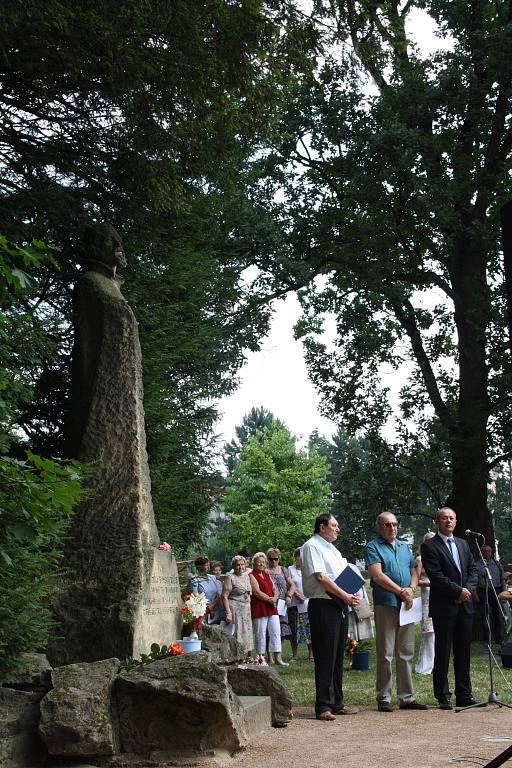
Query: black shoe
444	703
412	705
469	702
385	706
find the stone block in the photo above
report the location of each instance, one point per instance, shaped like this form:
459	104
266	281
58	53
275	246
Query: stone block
20	745
252	680
223	648
258	713
182	703
77	716
32	674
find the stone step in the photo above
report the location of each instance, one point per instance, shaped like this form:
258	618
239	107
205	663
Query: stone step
257	713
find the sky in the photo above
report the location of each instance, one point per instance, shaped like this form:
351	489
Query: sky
276	376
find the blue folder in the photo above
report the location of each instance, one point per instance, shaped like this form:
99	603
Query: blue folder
349	580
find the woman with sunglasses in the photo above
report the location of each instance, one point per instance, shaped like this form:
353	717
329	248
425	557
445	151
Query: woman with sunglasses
283	582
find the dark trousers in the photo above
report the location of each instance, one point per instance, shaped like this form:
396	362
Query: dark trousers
293	616
495	617
328	626
452	632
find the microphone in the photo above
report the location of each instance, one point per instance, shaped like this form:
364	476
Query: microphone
473	533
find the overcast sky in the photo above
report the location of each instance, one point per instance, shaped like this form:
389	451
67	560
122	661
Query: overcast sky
276	378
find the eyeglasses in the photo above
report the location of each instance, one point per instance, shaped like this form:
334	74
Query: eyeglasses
273	558
390	525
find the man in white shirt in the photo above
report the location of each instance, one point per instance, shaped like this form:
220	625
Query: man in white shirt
322	563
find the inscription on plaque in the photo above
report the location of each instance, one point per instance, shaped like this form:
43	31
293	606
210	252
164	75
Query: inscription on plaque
159	614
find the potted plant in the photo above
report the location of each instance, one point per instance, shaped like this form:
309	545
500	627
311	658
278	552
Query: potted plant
358	651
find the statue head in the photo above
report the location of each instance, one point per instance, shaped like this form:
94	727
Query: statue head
102	249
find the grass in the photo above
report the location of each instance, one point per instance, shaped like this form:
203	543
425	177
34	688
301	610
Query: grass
359	687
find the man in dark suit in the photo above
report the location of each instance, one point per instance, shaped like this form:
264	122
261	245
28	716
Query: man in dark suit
453	578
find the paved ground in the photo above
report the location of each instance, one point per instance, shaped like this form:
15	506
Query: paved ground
374	739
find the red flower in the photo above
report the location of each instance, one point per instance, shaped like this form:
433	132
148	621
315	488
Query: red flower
176	649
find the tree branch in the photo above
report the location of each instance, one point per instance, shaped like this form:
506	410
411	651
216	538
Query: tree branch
404	313
413	472
498	460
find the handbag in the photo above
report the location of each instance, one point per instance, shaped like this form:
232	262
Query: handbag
363	610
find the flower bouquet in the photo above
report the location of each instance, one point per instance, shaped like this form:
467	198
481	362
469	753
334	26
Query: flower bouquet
192	613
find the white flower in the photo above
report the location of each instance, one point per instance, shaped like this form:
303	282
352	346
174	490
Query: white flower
197	605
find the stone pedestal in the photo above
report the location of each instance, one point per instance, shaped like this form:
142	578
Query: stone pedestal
122	592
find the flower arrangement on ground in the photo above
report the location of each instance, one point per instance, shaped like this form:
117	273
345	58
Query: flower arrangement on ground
352	646
193	611
156	652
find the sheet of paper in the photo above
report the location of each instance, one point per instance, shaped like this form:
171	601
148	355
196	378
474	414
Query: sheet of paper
229	629
281	607
302	607
413	615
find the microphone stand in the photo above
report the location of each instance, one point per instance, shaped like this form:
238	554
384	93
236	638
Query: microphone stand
493	696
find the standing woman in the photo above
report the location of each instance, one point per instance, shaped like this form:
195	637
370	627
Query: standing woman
298	618
264	611
425	662
205	583
236	597
285	587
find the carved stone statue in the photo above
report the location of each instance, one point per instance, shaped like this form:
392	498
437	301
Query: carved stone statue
123	592
102	250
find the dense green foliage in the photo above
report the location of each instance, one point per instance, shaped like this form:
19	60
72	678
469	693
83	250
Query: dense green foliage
386	169
274	493
196	321
37	495
367	478
252	425
36	501
501	505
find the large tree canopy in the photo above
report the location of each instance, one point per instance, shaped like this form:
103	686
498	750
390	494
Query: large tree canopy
391	167
141	113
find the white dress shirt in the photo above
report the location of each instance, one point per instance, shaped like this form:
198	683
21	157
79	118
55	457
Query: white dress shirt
319	556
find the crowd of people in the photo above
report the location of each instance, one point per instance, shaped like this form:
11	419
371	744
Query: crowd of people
263	602
259	601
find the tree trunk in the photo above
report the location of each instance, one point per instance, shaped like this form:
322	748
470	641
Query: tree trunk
468	438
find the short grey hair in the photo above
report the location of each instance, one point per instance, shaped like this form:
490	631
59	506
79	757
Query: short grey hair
257	557
380	518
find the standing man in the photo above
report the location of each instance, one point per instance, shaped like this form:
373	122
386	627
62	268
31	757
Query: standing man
497	577
393	578
453	578
321	564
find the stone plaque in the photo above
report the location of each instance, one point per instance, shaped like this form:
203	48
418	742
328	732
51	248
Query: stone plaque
158	619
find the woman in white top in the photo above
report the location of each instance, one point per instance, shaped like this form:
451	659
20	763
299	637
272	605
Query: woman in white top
425	662
298	611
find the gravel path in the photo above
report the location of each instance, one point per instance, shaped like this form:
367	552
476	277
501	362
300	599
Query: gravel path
374	739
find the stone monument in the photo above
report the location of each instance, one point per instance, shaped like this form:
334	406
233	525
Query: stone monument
122	592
